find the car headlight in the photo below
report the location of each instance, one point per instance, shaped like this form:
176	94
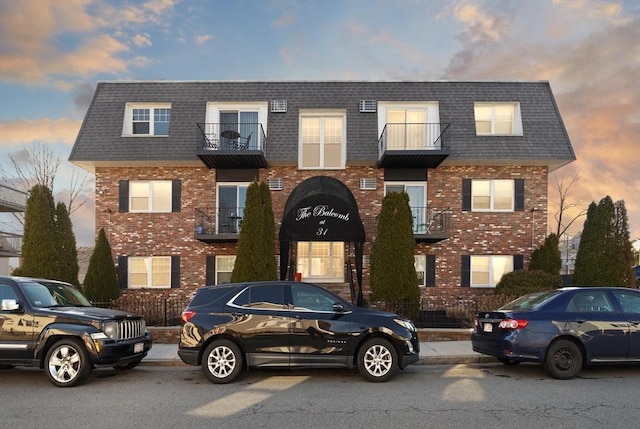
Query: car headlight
110	329
407	324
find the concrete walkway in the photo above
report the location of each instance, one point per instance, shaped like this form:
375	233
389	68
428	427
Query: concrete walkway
431	353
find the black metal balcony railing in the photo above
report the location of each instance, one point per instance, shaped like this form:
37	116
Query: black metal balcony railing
10	244
231	145
406	145
218	224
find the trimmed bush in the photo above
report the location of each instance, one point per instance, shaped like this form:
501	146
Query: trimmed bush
522	282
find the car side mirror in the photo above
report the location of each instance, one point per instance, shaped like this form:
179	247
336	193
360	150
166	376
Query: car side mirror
9	305
338	308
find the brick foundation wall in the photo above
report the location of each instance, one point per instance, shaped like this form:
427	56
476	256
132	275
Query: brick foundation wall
168	234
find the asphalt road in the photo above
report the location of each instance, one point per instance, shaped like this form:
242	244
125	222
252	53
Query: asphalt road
427	396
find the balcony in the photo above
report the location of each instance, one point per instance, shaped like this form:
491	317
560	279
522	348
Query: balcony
218	225
431	224
413	145
12	200
231	146
10	244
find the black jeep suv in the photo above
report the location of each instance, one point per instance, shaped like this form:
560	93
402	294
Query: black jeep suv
290	324
51	325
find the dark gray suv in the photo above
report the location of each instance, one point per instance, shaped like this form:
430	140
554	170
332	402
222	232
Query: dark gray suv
291	324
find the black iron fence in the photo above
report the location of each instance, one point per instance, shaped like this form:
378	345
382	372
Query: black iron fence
454	313
157	311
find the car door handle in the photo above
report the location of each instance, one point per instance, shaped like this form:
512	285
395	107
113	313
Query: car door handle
579	320
635	322
236	314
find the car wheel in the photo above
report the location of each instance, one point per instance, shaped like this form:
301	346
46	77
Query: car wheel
563	360
222	361
377	360
67	363
128	366
509	362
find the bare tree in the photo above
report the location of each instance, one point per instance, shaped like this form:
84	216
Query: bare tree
566	206
39	165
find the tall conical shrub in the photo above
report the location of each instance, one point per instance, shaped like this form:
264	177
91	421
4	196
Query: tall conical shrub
101	282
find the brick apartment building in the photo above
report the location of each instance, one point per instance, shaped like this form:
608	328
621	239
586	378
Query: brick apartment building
173	159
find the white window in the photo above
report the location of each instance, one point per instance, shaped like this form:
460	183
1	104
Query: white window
486	271
150	272
420	263
150	196
321	261
224	268
145	119
323	137
231	200
417	201
498	119
409	125
492	195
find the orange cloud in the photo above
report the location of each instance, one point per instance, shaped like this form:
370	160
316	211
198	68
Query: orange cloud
22	132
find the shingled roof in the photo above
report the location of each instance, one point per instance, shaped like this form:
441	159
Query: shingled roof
100	141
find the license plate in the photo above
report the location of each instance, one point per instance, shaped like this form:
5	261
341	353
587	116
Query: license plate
138	347
488	327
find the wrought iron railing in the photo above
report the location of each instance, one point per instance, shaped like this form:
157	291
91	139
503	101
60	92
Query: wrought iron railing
430	220
156	310
220	220
230	137
407	136
13	199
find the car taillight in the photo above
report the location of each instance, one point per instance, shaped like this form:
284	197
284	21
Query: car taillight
187	315
511	324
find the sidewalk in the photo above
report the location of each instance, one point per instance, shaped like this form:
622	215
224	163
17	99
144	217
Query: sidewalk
431	353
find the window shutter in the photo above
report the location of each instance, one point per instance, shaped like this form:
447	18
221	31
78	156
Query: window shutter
210	270
175	272
175	195
519	195
518	262
466	195
123	196
466	271
431	271
123	275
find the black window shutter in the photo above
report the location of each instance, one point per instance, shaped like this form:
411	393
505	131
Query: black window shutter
175	272
431	270
175	195
123	196
466	271
519	195
123	263
518	262
466	195
210	270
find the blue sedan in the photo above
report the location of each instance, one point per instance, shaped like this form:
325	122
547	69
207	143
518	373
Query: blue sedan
563	329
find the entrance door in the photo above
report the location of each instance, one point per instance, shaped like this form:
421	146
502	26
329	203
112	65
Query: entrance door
231	200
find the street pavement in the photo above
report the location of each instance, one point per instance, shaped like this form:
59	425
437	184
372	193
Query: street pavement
431	353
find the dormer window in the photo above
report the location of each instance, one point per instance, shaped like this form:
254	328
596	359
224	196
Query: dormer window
146	119
501	119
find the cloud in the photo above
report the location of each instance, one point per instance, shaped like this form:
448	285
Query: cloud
22	132
32	35
480	24
202	39
284	20
142	40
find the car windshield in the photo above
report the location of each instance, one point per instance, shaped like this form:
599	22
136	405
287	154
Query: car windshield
54	294
530	301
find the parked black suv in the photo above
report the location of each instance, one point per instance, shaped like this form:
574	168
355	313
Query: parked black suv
50	324
290	324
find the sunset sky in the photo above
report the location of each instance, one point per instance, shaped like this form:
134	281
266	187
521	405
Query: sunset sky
52	53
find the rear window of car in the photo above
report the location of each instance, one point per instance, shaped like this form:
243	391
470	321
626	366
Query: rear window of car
530	302
211	295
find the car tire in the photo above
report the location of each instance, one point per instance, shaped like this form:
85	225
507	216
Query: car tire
509	362
563	360
377	360
67	363
222	361
128	366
